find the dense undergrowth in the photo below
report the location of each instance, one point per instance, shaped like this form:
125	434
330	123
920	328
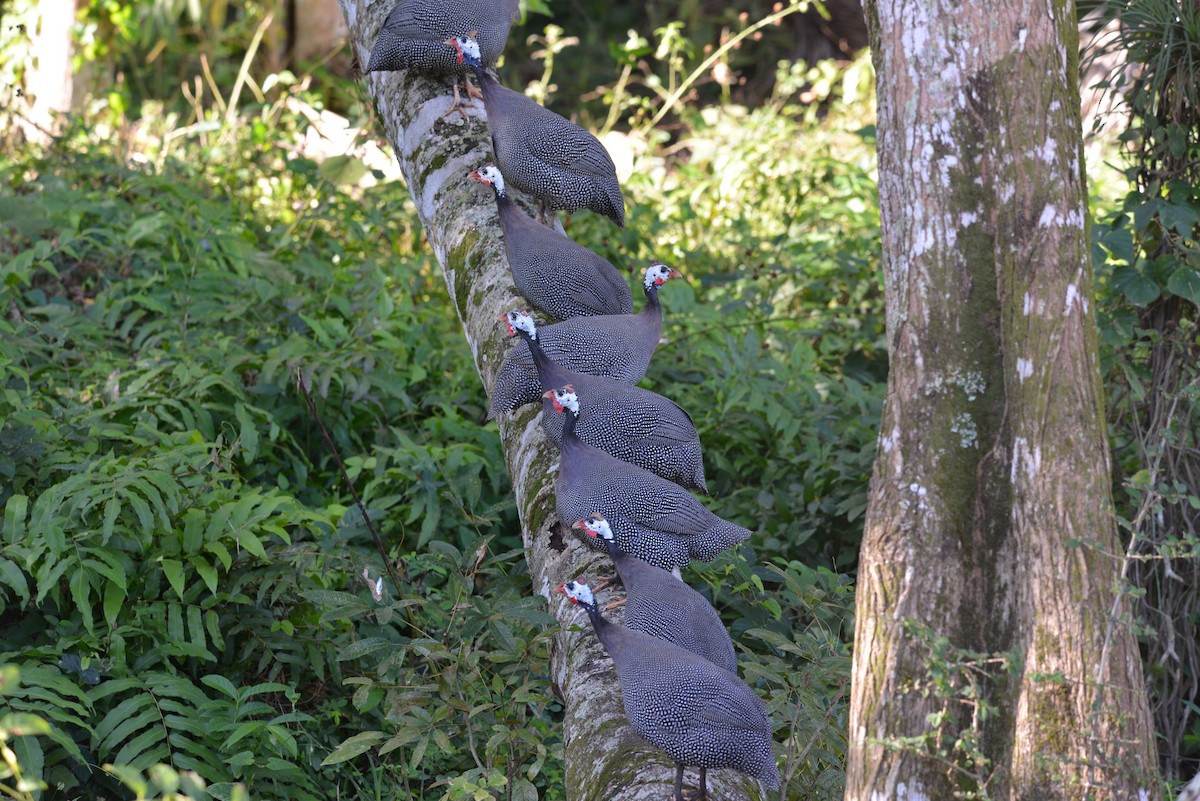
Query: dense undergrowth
185	579
186	584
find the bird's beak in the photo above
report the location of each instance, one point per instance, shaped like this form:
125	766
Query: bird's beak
549	395
475	176
674	273
578	524
458	49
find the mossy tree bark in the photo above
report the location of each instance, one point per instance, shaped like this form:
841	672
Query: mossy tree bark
605	758
990	538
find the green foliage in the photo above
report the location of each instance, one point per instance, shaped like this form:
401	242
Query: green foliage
793	623
1147	255
19	747
191	598
959	681
775	342
166	495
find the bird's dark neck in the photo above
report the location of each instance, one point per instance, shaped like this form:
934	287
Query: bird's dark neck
486	82
599	624
652	298
503	202
568	433
540	360
615	550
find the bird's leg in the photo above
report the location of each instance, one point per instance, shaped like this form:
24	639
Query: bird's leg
472	89
605	582
679	782
546	215
457	105
616	603
701	793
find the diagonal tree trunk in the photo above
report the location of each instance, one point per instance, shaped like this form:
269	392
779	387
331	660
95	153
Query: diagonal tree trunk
990	537
605	758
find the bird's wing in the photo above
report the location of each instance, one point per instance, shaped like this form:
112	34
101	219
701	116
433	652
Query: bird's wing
662	505
561	143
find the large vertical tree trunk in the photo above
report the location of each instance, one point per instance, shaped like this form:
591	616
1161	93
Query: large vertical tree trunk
989	532
606	760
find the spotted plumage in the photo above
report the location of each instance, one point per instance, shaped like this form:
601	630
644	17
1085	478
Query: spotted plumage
617	346
541	152
653	519
699	713
414	34
560	277
633	424
664	606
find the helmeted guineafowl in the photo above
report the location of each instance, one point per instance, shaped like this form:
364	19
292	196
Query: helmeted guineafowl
414	35
618	346
664	606
560	277
698	712
633	424
653	519
541	152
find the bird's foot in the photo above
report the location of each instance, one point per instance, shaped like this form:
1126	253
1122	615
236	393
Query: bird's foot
546	215
472	89
457	105
616	603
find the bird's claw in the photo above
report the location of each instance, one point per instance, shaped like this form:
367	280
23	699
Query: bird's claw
458	104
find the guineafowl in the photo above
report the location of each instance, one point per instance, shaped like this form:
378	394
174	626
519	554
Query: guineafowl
663	605
617	346
655	520
414	36
560	277
633	424
699	713
542	153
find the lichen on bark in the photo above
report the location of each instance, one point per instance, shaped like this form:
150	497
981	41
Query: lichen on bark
606	760
973	500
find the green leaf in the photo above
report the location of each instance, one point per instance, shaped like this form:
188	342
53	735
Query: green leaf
218	682
13	577
247	433
81	591
1185	282
173	570
1119	243
147	227
112	510
14	518
114	601
353	746
524	790
1179	217
342	169
19	724
206	571
1139	289
251	543
364	647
